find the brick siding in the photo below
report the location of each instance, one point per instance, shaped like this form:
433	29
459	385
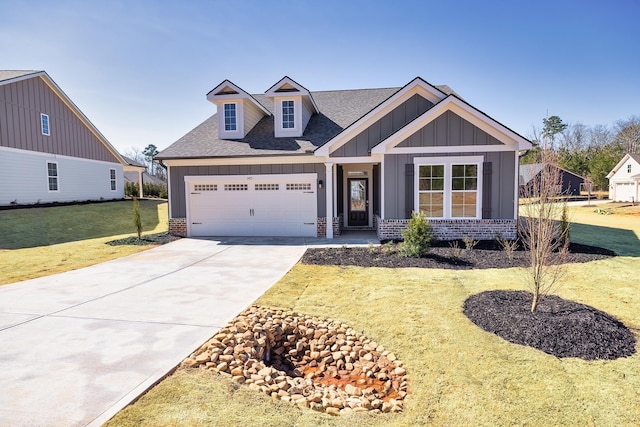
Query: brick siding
450	229
178	227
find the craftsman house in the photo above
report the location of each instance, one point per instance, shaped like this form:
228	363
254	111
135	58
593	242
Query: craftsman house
624	180
49	150
292	162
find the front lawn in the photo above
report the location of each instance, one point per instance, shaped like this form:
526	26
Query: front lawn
460	374
37	242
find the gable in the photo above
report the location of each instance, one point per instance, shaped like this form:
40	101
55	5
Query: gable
620	172
503	138
361	144
72	134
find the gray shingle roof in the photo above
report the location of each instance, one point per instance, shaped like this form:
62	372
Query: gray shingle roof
12	74
338	109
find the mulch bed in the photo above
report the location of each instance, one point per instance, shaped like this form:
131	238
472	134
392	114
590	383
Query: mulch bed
149	239
558	327
486	254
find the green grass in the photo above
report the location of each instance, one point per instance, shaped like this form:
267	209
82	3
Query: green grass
460	375
36	242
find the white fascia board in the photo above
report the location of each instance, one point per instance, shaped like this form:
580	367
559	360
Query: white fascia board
416	86
59	156
301	91
69	103
242	94
377	158
619	165
451	103
256	160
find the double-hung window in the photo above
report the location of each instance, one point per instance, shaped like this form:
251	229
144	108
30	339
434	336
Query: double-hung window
112	179
288	117
44	124
52	176
449	187
230	117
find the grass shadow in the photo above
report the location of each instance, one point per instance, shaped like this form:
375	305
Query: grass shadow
34	227
623	242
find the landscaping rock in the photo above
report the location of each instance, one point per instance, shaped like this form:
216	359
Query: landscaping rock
316	363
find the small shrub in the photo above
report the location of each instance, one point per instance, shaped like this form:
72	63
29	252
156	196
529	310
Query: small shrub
565	226
456	250
137	220
389	247
417	236
372	248
508	246
131	189
469	242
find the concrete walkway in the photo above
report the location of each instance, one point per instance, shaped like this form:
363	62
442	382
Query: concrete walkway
77	347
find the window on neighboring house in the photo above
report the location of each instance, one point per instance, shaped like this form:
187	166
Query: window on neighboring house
449	188
52	176
288	121
112	178
628	168
44	124
230	122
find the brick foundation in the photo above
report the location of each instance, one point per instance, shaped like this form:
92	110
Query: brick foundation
450	229
178	227
322	226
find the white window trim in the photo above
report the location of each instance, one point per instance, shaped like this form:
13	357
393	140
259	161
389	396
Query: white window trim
113	180
447	162
629	168
42	118
57	177
296	130
293	102
224	116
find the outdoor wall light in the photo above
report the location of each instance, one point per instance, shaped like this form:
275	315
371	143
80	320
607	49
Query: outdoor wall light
320	184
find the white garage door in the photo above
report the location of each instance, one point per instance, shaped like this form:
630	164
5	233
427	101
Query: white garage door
625	191
252	205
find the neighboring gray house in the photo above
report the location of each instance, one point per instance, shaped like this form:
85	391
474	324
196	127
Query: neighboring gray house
570	182
624	179
49	150
282	162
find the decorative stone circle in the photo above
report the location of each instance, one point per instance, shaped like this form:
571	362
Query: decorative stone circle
310	362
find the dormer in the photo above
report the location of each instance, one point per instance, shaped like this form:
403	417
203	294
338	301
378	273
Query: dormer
238	112
293	106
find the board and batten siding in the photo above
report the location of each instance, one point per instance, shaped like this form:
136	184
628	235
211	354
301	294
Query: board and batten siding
21	104
24	178
498	190
449	130
362	143
177	173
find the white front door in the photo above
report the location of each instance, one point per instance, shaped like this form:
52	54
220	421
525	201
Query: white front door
252	205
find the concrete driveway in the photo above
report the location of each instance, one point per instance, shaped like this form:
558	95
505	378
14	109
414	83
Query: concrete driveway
77	347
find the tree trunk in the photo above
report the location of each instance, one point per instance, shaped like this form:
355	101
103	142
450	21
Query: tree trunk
534	303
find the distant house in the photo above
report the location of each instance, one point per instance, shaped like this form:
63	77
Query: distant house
140	176
49	150
624	179
570	186
295	162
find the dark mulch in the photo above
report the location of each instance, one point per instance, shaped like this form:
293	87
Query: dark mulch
149	239
558	327
486	254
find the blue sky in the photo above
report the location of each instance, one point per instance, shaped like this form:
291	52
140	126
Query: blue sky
140	69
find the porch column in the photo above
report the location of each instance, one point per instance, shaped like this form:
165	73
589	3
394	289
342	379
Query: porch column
328	190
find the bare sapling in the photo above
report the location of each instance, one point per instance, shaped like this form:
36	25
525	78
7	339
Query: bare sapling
546	239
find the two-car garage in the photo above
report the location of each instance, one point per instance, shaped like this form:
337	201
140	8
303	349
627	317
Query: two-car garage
252	205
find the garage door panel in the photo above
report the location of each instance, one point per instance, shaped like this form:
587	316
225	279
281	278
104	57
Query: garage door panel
273	205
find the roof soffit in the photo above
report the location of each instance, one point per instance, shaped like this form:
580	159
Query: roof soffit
465	111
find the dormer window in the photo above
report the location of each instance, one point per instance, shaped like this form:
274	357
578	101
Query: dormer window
230	117
288	115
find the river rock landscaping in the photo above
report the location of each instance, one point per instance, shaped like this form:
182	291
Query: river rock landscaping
310	362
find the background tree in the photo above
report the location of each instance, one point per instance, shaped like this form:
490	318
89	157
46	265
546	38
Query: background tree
628	134
546	241
552	126
150	152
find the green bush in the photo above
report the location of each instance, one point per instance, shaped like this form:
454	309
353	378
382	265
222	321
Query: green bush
131	189
155	190
417	236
